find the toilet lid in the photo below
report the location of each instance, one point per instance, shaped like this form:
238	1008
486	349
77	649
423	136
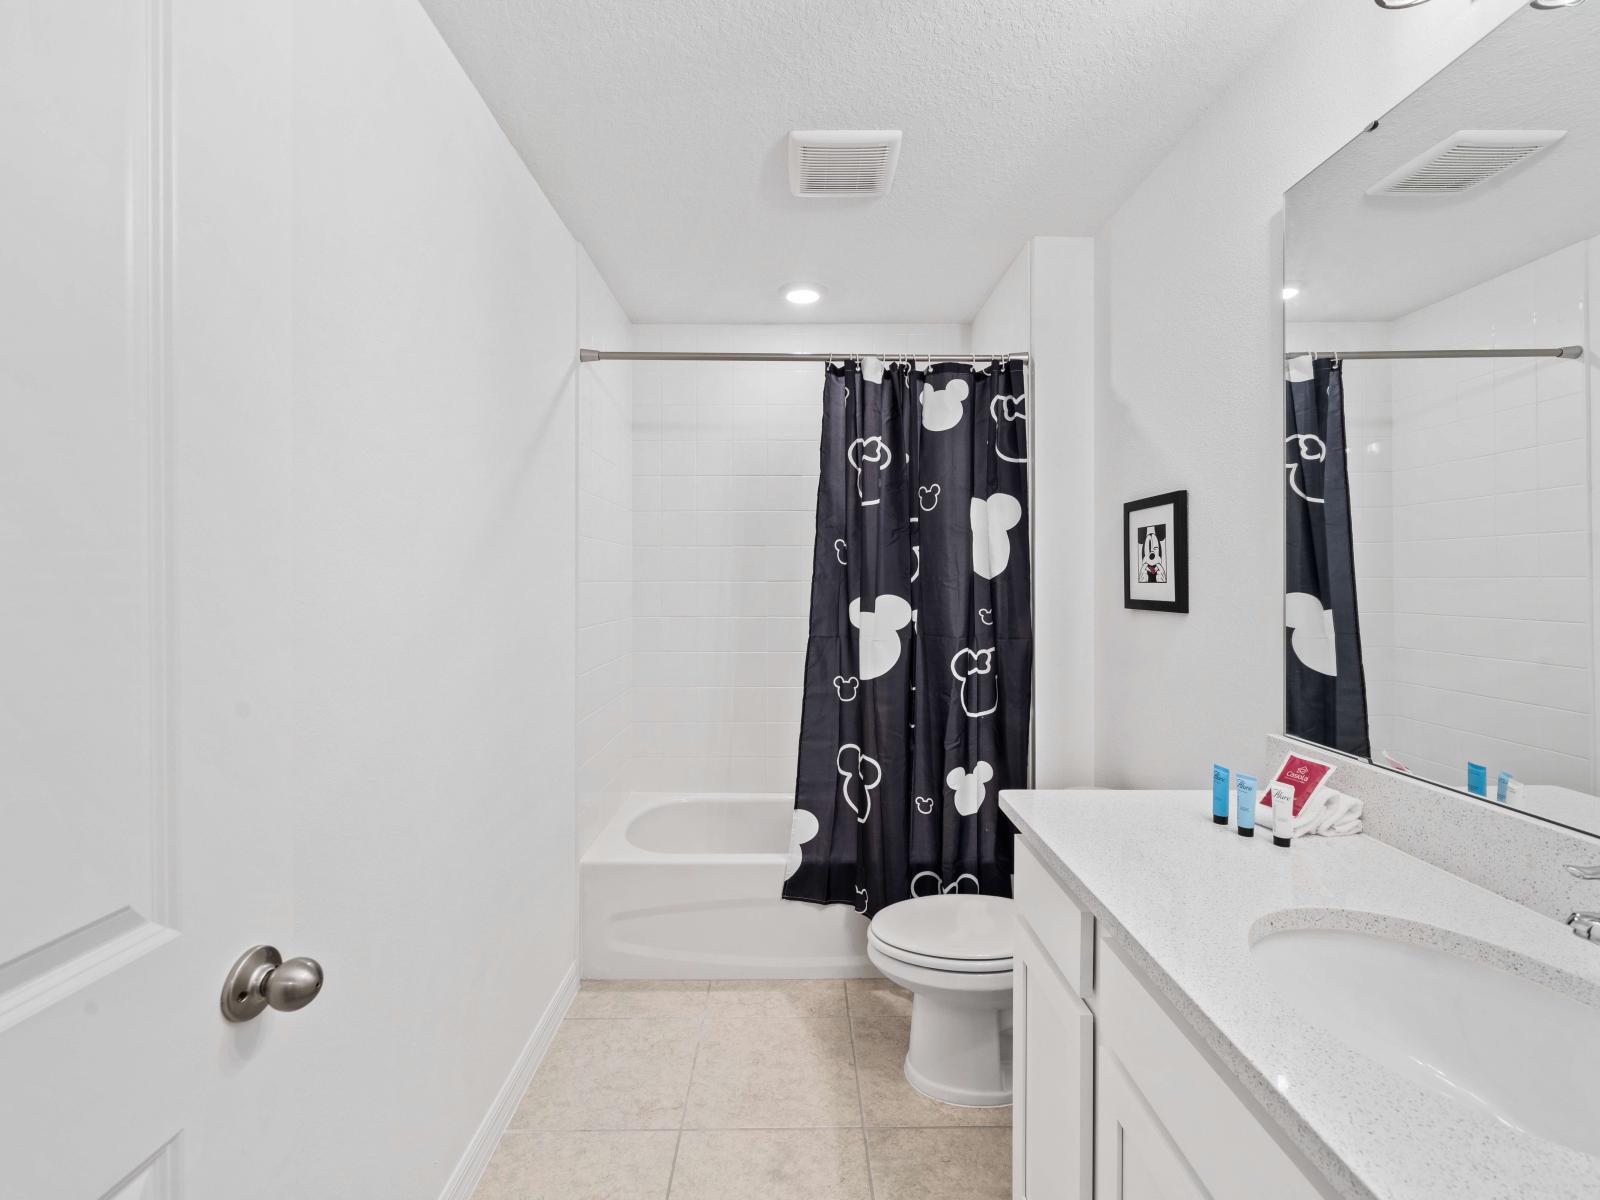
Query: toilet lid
962	927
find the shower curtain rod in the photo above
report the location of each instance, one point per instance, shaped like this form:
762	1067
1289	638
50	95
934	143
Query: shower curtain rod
732	356
1537	352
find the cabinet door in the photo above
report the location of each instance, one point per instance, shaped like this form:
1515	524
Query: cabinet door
1137	1158
1053	1082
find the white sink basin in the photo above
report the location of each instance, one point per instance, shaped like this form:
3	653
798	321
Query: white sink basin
1518	1050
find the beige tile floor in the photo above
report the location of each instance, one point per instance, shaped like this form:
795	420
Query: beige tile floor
787	1090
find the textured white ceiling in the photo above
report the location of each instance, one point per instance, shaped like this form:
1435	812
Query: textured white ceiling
1363	258
657	129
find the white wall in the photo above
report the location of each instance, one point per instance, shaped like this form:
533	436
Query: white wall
1005	321
725	489
605	558
1190	386
1044	304
432	773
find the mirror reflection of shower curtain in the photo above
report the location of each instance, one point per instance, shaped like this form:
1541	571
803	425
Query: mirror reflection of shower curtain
1325	694
919	666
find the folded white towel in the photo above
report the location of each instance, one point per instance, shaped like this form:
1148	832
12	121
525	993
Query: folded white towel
1327	814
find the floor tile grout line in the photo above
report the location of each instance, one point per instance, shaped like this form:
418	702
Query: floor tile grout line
672	1171
750	1128
683	1112
861	1103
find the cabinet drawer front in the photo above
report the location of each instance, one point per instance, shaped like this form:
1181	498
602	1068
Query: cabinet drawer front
1218	1134
1064	930
1053	1081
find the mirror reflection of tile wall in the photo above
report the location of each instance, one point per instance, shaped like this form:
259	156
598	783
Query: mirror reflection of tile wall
1469	484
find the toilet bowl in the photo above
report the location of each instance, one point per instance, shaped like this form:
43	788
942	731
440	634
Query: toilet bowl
953	954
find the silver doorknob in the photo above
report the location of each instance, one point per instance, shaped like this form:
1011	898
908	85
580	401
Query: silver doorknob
262	980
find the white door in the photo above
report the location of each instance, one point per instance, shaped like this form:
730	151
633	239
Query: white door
1053	1052
143	505
1136	1158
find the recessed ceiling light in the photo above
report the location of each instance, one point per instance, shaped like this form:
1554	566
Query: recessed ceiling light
1399	3
802	294
1555	3
1290	291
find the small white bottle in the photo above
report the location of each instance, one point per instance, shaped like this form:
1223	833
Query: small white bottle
1282	814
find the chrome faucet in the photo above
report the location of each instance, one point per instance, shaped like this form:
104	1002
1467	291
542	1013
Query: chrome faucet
1584	924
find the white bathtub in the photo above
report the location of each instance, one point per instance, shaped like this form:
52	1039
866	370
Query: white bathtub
691	887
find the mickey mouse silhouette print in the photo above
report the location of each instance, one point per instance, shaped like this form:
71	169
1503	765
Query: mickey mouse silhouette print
974	671
1153	554
968	787
871	458
1010	434
861	775
880	634
993	519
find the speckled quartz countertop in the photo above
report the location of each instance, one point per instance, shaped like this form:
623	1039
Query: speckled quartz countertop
1181	897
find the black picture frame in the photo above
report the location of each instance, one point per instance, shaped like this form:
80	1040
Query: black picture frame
1176	553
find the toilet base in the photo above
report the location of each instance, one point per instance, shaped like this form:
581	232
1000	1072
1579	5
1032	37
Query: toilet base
960	1048
960	1054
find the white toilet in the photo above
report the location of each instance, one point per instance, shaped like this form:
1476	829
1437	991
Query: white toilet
953	954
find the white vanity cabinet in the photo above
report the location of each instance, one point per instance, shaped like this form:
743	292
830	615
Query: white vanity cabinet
1136	1157
1113	1099
1052	1137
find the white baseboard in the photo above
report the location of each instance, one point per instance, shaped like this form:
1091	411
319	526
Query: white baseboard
464	1179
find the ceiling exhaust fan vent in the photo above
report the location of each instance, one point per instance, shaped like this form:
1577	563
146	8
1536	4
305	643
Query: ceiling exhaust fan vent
844	162
1465	160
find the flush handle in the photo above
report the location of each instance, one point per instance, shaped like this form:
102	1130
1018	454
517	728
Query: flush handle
261	979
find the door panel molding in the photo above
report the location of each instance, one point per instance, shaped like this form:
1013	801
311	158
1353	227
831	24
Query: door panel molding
156	1178
157	387
50	974
40	975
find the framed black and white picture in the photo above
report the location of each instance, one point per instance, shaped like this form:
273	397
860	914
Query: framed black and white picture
1155	553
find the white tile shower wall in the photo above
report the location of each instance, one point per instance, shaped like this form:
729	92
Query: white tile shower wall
1480	601
725	464
605	559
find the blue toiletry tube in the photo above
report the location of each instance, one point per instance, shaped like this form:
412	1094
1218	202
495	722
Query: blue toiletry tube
1219	794
1244	811
1478	779
1502	785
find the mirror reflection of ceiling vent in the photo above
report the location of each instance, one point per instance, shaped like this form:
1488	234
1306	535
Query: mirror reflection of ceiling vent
1464	160
846	162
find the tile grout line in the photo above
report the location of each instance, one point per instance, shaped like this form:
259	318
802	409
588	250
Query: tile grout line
855	1066
672	1171
747	1128
683	1112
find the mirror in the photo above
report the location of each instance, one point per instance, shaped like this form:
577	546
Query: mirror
1438	456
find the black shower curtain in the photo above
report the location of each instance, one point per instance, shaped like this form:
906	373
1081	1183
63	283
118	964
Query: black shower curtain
919	666
1325	695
